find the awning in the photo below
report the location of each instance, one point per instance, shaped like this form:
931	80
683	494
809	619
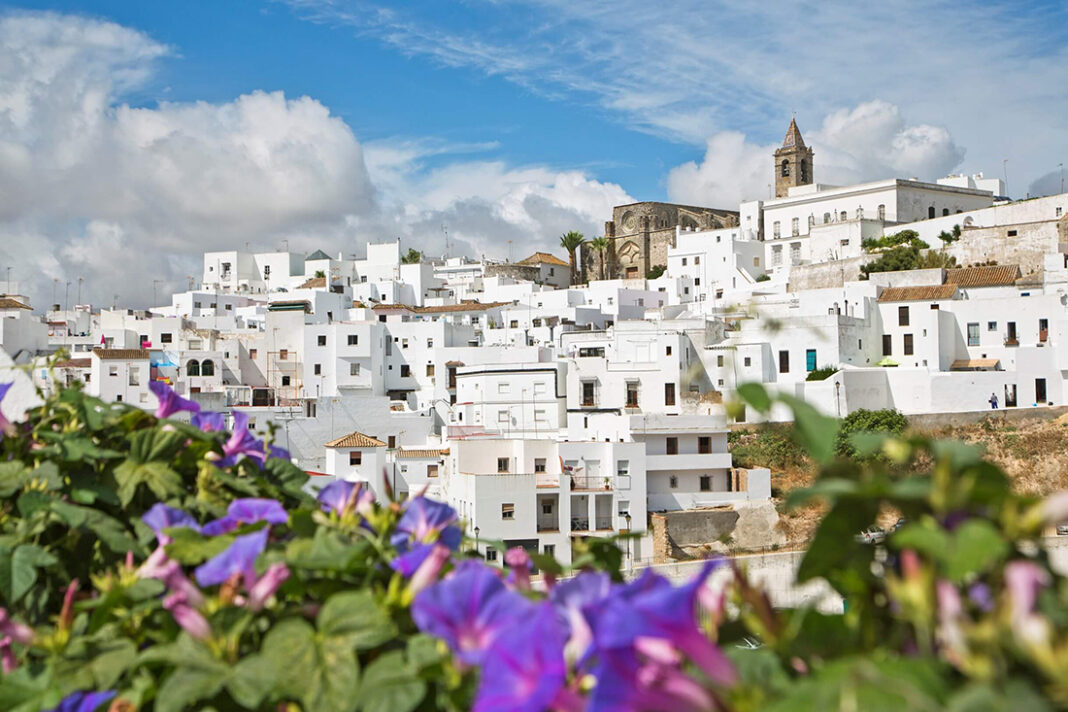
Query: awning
888	362
975	364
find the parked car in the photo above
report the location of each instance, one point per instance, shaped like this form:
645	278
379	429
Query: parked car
902	521
1062	530
871	535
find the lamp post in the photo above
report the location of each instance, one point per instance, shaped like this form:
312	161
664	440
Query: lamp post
630	563
837	397
477	530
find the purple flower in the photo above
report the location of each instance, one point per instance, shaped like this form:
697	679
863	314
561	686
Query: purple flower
408	563
424	522
161	517
429	569
524	670
5	425
571	598
158	566
266	586
468	610
648	608
342	497
169	401
210	422
84	701
980	595
188	617
1024	580
247	511
7	656
238	559
518	560
18	632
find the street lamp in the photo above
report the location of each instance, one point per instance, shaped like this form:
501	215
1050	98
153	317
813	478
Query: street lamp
626	516
837	397
477	530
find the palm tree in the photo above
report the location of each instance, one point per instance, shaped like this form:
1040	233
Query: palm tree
600	246
571	241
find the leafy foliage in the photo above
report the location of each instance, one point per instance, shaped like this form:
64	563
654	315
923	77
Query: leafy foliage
910	238
906	257
656	272
821	374
885	421
413	257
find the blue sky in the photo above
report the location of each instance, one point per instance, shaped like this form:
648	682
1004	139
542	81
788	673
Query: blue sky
139	130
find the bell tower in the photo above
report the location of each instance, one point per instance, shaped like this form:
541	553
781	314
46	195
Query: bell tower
793	162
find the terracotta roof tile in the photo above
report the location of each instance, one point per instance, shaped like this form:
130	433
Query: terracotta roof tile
75	363
444	308
9	303
314	283
355	439
991	276
121	354
543	258
421	454
925	293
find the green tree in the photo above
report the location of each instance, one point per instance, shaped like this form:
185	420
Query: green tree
571	241
320	274
950	236
413	257
885	421
600	246
656	272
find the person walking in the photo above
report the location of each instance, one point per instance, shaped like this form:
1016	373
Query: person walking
993	401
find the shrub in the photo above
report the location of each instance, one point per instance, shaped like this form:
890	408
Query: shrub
885	421
822	373
764	278
656	272
770	445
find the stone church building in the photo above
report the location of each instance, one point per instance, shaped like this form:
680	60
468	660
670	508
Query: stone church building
639	234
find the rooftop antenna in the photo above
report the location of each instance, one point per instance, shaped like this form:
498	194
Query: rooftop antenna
445	231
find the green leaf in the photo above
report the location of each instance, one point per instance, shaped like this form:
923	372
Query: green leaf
109	530
251	679
834	547
189	684
108	666
815	432
926	538
889	685
188	546
390	686
976	547
13	476
425	651
158	476
321	672
755	395
18	569
358	618
829	488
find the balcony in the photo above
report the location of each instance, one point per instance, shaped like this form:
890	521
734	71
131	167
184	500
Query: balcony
580	524
546	480
604	524
548	525
600	483
1012	341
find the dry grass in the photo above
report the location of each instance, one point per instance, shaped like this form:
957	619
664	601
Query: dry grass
1034	455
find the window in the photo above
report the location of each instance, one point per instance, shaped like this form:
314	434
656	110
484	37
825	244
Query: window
810	360
706	483
785	168
902	316
1059	211
945	211
355	458
322	340
354	369
1012	233
318	369
430	370
285	380
991	326
908	345
539	464
391	442
887	345
404	343
669	394
784	362
668	351
503	387
843	216
973	334
683	261
431	470
507	511
549	549
930	212
704	445
673	482
192	368
697	260
502	464
503	417
747	361
882	212
406	370
135	376
491	554
353	339
795	227
283	354
671	446
539	416
632	394
165	338
776	229
826	218
514	323
253	353
622	468
587	393
719	360
539	388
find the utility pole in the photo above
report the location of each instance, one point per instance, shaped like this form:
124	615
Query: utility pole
1005	173
79	290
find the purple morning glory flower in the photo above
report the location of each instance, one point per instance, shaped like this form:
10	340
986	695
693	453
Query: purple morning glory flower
189	618
659	610
265	587
341	497
161	517
5	424
239	558
209	422
243	442
571	598
19	632
524	670
980	595
409	562
425	521
169	401
628	683
468	610
247	511
84	701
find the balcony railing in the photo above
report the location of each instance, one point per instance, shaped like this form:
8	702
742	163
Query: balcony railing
549	526
580	524
604	523
593	482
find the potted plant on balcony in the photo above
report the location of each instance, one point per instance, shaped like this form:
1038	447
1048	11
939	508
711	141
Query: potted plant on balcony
607	482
